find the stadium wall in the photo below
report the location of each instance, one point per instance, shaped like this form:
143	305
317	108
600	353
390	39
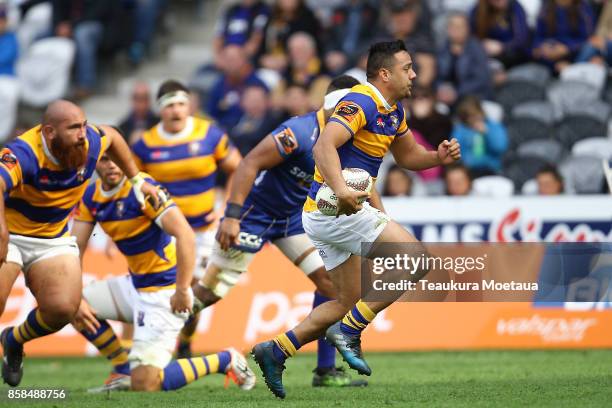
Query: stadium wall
274	296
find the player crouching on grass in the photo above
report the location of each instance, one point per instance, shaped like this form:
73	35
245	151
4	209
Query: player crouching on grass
156	297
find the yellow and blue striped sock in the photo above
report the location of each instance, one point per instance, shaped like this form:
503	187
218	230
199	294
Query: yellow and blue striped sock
357	318
285	345
181	372
110	347
33	327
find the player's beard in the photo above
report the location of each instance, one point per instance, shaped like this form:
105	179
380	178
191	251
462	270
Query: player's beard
70	156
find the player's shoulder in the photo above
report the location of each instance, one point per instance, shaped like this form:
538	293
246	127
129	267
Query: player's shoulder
303	128
27	148
90	191
359	98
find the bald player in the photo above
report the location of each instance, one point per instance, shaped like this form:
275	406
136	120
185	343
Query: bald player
43	175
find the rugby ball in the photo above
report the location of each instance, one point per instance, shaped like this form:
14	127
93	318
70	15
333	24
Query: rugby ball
356	180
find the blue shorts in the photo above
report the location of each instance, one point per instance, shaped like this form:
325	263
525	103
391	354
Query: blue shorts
258	227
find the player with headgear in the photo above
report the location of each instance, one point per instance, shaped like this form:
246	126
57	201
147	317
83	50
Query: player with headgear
43	174
367	123
184	153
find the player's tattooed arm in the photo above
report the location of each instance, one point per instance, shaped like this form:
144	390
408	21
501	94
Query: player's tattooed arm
412	156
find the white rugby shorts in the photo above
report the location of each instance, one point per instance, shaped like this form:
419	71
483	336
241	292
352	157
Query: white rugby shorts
156	328
25	251
337	239
205	241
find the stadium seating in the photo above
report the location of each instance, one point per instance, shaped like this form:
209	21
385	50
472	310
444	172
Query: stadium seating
493	186
583	174
591	74
9	99
519	171
44	71
600	147
549	150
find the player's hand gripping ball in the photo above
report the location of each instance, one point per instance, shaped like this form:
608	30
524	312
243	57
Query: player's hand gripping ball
356	180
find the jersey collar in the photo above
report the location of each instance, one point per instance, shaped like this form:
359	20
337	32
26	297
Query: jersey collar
112	191
179	135
379	96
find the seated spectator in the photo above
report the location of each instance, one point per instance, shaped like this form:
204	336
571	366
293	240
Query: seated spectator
462	64
599	47
423	117
305	69
501	26
397	182
563	28
288	17
85	21
242	24
351	27
457	180
407	23
296	101
258	119
141	117
549	180
226	93
9	49
483	141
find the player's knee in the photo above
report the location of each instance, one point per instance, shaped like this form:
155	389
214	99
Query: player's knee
220	284
59	312
205	295
145	379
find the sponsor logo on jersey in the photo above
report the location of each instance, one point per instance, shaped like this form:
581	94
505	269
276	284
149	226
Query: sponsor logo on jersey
286	141
348	110
380	122
120	209
249	240
8	158
394	120
159	155
194	148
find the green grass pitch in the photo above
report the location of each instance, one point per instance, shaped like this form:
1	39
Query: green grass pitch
431	379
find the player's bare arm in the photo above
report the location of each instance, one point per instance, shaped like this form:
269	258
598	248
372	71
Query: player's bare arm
119	152
412	156
375	200
4	234
328	162
264	156
174	223
82	231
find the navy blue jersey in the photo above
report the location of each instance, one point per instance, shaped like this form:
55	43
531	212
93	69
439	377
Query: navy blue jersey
281	191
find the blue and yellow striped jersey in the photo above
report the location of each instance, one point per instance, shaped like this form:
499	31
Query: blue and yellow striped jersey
150	252
40	194
186	164
373	125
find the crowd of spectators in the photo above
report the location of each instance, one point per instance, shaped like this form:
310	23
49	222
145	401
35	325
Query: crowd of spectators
274	59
